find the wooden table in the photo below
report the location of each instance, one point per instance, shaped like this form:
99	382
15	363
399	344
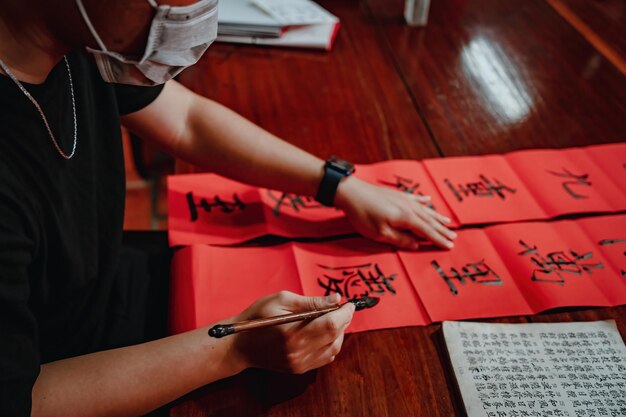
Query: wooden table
483	77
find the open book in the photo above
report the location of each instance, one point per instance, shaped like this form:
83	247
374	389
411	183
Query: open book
539	369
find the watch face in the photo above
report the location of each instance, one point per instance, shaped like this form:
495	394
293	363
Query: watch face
340	165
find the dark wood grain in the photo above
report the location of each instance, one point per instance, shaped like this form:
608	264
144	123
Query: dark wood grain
493	76
483	77
604	19
350	101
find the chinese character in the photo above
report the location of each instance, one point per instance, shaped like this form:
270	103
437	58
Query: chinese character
558	263
408	186
296	202
575	180
478	272
482	188
605	242
224	206
356	281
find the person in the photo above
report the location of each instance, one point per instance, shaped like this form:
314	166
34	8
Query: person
61	207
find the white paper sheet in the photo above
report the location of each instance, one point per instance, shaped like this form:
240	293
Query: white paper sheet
536	370
296	12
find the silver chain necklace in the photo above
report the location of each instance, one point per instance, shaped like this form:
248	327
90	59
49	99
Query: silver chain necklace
43	116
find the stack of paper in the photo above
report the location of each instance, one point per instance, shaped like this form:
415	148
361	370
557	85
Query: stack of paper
290	23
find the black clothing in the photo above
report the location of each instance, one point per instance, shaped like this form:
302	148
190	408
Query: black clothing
60	222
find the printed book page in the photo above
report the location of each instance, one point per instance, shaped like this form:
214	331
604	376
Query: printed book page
539	369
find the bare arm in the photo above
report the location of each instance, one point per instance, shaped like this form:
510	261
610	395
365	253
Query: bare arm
134	380
211	136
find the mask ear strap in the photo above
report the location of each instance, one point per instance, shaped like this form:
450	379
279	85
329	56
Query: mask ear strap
83	12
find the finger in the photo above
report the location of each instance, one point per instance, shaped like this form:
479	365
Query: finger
299	303
328	353
326	328
422	198
422	228
435	224
399	238
440	217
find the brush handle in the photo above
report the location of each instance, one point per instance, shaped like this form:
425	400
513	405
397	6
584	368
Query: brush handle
221	330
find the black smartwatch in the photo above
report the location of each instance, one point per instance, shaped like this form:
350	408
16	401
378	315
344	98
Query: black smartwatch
335	170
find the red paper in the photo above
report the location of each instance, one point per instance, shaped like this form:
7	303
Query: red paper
554	264
511	269
210	284
483	189
611	158
207	208
356	268
566	181
469	281
608	233
410	177
292	215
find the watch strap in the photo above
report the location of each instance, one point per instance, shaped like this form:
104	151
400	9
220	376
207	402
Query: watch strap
328	186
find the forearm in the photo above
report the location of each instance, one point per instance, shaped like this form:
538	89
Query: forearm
207	134
224	142
133	380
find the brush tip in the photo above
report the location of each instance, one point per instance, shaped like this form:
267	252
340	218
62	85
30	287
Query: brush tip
365	302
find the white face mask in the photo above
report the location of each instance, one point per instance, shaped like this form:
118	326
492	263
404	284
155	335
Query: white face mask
178	37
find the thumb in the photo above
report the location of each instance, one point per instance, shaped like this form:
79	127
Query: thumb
302	303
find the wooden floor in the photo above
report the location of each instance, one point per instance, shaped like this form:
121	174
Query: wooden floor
482	77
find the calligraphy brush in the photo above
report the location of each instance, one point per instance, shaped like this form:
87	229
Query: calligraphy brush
221	330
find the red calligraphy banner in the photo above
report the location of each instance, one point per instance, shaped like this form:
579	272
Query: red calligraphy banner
355	268
469	281
483	189
502	270
611	158
554	264
608	233
566	181
522	185
209	283
207	208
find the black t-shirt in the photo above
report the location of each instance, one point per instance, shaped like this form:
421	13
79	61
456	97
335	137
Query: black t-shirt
60	221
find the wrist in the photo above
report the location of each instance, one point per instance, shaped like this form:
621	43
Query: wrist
345	191
335	171
225	352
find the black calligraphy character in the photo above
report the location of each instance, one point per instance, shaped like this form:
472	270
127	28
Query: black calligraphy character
295	201
605	242
349	280
576	180
557	263
482	188
478	272
405	185
408	186
224	206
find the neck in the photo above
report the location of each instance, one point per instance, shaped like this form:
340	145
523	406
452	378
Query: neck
30	54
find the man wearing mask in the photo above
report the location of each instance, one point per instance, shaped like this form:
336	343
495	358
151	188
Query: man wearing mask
61	206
